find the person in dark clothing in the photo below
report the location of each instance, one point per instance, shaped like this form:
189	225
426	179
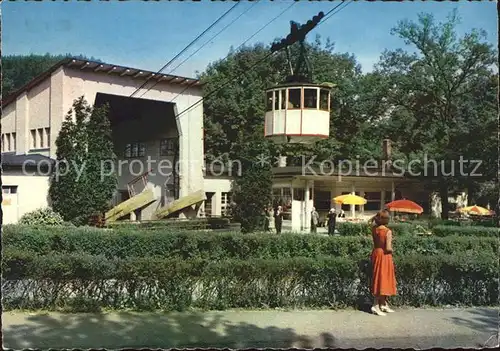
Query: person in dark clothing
332	220
278	219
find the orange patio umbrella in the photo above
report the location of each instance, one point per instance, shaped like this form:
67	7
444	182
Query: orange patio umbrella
405	206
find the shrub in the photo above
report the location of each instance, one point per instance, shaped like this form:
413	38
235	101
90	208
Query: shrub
170	284
43	216
444	230
221	246
175	225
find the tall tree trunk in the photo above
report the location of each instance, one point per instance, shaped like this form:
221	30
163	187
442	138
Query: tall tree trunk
443	193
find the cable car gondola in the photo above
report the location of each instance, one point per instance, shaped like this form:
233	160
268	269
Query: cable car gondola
298	110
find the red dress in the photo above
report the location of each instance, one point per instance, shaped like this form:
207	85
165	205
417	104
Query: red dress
383	277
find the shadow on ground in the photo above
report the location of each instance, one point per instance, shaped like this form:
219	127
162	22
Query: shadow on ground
156	330
482	320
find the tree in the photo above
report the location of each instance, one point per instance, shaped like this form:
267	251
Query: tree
433	93
253	189
85	181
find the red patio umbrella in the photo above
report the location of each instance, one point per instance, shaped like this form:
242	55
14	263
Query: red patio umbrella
405	206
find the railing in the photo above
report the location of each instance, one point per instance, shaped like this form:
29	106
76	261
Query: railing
130	185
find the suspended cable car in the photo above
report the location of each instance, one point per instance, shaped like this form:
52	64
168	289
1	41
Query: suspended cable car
298	110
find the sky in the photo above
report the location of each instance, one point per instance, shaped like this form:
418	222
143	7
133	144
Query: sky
148	34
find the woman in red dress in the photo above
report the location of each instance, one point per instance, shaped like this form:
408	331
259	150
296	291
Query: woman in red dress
383	277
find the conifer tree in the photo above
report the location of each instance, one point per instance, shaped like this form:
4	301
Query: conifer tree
83	145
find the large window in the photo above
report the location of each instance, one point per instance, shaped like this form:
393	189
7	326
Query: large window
269	101
310	98
168	146
137	149
324	97
294	98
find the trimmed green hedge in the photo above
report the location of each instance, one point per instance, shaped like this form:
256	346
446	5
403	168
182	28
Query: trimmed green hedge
474	231
221	246
169	224
85	282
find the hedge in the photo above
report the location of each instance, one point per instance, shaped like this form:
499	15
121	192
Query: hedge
444	230
84	282
221	246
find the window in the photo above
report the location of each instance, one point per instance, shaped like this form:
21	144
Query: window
208	204
269	101
9	189
279	101
225	203
168	146
3	142
310	98
33	139
41	137
135	150
9	146
298	194
13	141
47	137
294	97
324	99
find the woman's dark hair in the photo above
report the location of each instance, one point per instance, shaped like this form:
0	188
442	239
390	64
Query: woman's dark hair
382	218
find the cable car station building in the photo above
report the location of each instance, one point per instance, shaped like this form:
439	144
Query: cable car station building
162	120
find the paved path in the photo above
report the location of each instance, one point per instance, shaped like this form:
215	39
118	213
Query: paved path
407	328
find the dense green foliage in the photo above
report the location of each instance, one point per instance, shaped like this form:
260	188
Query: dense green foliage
43	216
221	246
83	282
84	181
253	188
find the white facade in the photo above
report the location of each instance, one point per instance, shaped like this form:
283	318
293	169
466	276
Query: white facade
32	117
23	193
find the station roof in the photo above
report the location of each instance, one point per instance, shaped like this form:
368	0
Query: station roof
105	68
11	160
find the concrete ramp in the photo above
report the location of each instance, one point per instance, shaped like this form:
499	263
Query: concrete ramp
126	207
183	204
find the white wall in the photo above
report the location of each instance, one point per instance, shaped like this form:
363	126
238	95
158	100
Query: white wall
47	104
32	194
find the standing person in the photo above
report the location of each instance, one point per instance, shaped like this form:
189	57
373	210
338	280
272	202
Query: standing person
314	220
278	219
332	221
267	220
383	275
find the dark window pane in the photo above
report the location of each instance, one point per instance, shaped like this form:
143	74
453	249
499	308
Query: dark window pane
283	99
323	100
372	206
135	149
269	101
128	150
294	97
277	94
141	150
310	98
